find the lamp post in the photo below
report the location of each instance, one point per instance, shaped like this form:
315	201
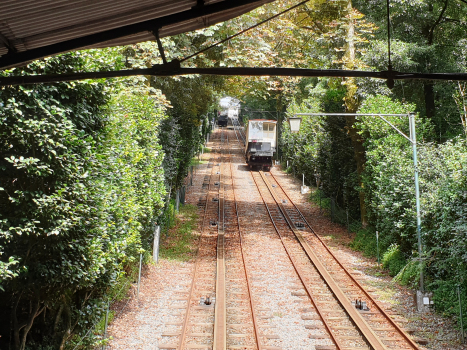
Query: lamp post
294	123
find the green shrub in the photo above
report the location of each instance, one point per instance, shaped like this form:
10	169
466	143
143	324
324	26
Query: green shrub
365	241
446	299
409	275
319	198
393	260
82	185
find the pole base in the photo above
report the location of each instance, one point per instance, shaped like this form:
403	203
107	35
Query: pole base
423	300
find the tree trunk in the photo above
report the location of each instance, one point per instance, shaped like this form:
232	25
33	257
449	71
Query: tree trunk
351	105
360	159
429	99
16	326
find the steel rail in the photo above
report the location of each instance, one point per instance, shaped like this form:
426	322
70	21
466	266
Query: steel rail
239	132
190	295
336	342
383	313
220	313
242	251
367	332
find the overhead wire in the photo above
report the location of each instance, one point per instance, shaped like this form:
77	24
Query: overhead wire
245	30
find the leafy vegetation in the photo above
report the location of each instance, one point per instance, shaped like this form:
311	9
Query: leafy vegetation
87	168
81	187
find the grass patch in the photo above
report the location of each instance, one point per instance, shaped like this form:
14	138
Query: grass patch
179	244
195	161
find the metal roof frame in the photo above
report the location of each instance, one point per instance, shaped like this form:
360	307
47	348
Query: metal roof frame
173	69
170	18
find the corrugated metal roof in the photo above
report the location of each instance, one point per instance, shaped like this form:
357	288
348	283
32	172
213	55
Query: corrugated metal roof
27	25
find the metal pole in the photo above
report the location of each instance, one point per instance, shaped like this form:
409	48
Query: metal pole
319	192
277	135
413	139
177	201
332	209
348	224
106	322
460	314
303	181
139	276
377	245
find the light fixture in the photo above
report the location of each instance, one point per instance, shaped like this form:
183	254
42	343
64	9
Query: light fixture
294	123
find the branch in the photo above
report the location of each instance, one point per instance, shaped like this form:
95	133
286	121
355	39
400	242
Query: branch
432	29
451	20
32	316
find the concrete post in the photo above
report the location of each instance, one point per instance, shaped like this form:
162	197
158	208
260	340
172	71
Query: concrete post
155	249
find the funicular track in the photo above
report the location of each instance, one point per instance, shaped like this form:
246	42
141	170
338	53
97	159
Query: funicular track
330	287
241	328
236	316
227	320
239	132
195	327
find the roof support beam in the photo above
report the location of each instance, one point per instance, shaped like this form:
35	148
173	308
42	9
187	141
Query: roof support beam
16	59
173	69
159	45
8	44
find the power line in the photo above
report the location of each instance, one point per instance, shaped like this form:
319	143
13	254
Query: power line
245	30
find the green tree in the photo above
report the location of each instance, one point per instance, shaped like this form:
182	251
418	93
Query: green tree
81	186
427	36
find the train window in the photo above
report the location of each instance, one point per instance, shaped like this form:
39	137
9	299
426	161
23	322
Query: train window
268	130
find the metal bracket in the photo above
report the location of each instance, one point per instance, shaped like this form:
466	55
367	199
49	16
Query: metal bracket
159	45
11	48
168	68
390	75
199	5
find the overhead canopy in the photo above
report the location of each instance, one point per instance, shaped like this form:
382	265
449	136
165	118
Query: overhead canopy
32	29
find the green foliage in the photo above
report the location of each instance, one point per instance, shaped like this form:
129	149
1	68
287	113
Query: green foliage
365	241
388	175
427	36
389	188
81	187
393	260
191	98
409	275
322	149
446	298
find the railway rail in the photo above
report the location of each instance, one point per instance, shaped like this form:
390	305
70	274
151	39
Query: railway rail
239	132
242	324
376	329
223	307
194	327
392	331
